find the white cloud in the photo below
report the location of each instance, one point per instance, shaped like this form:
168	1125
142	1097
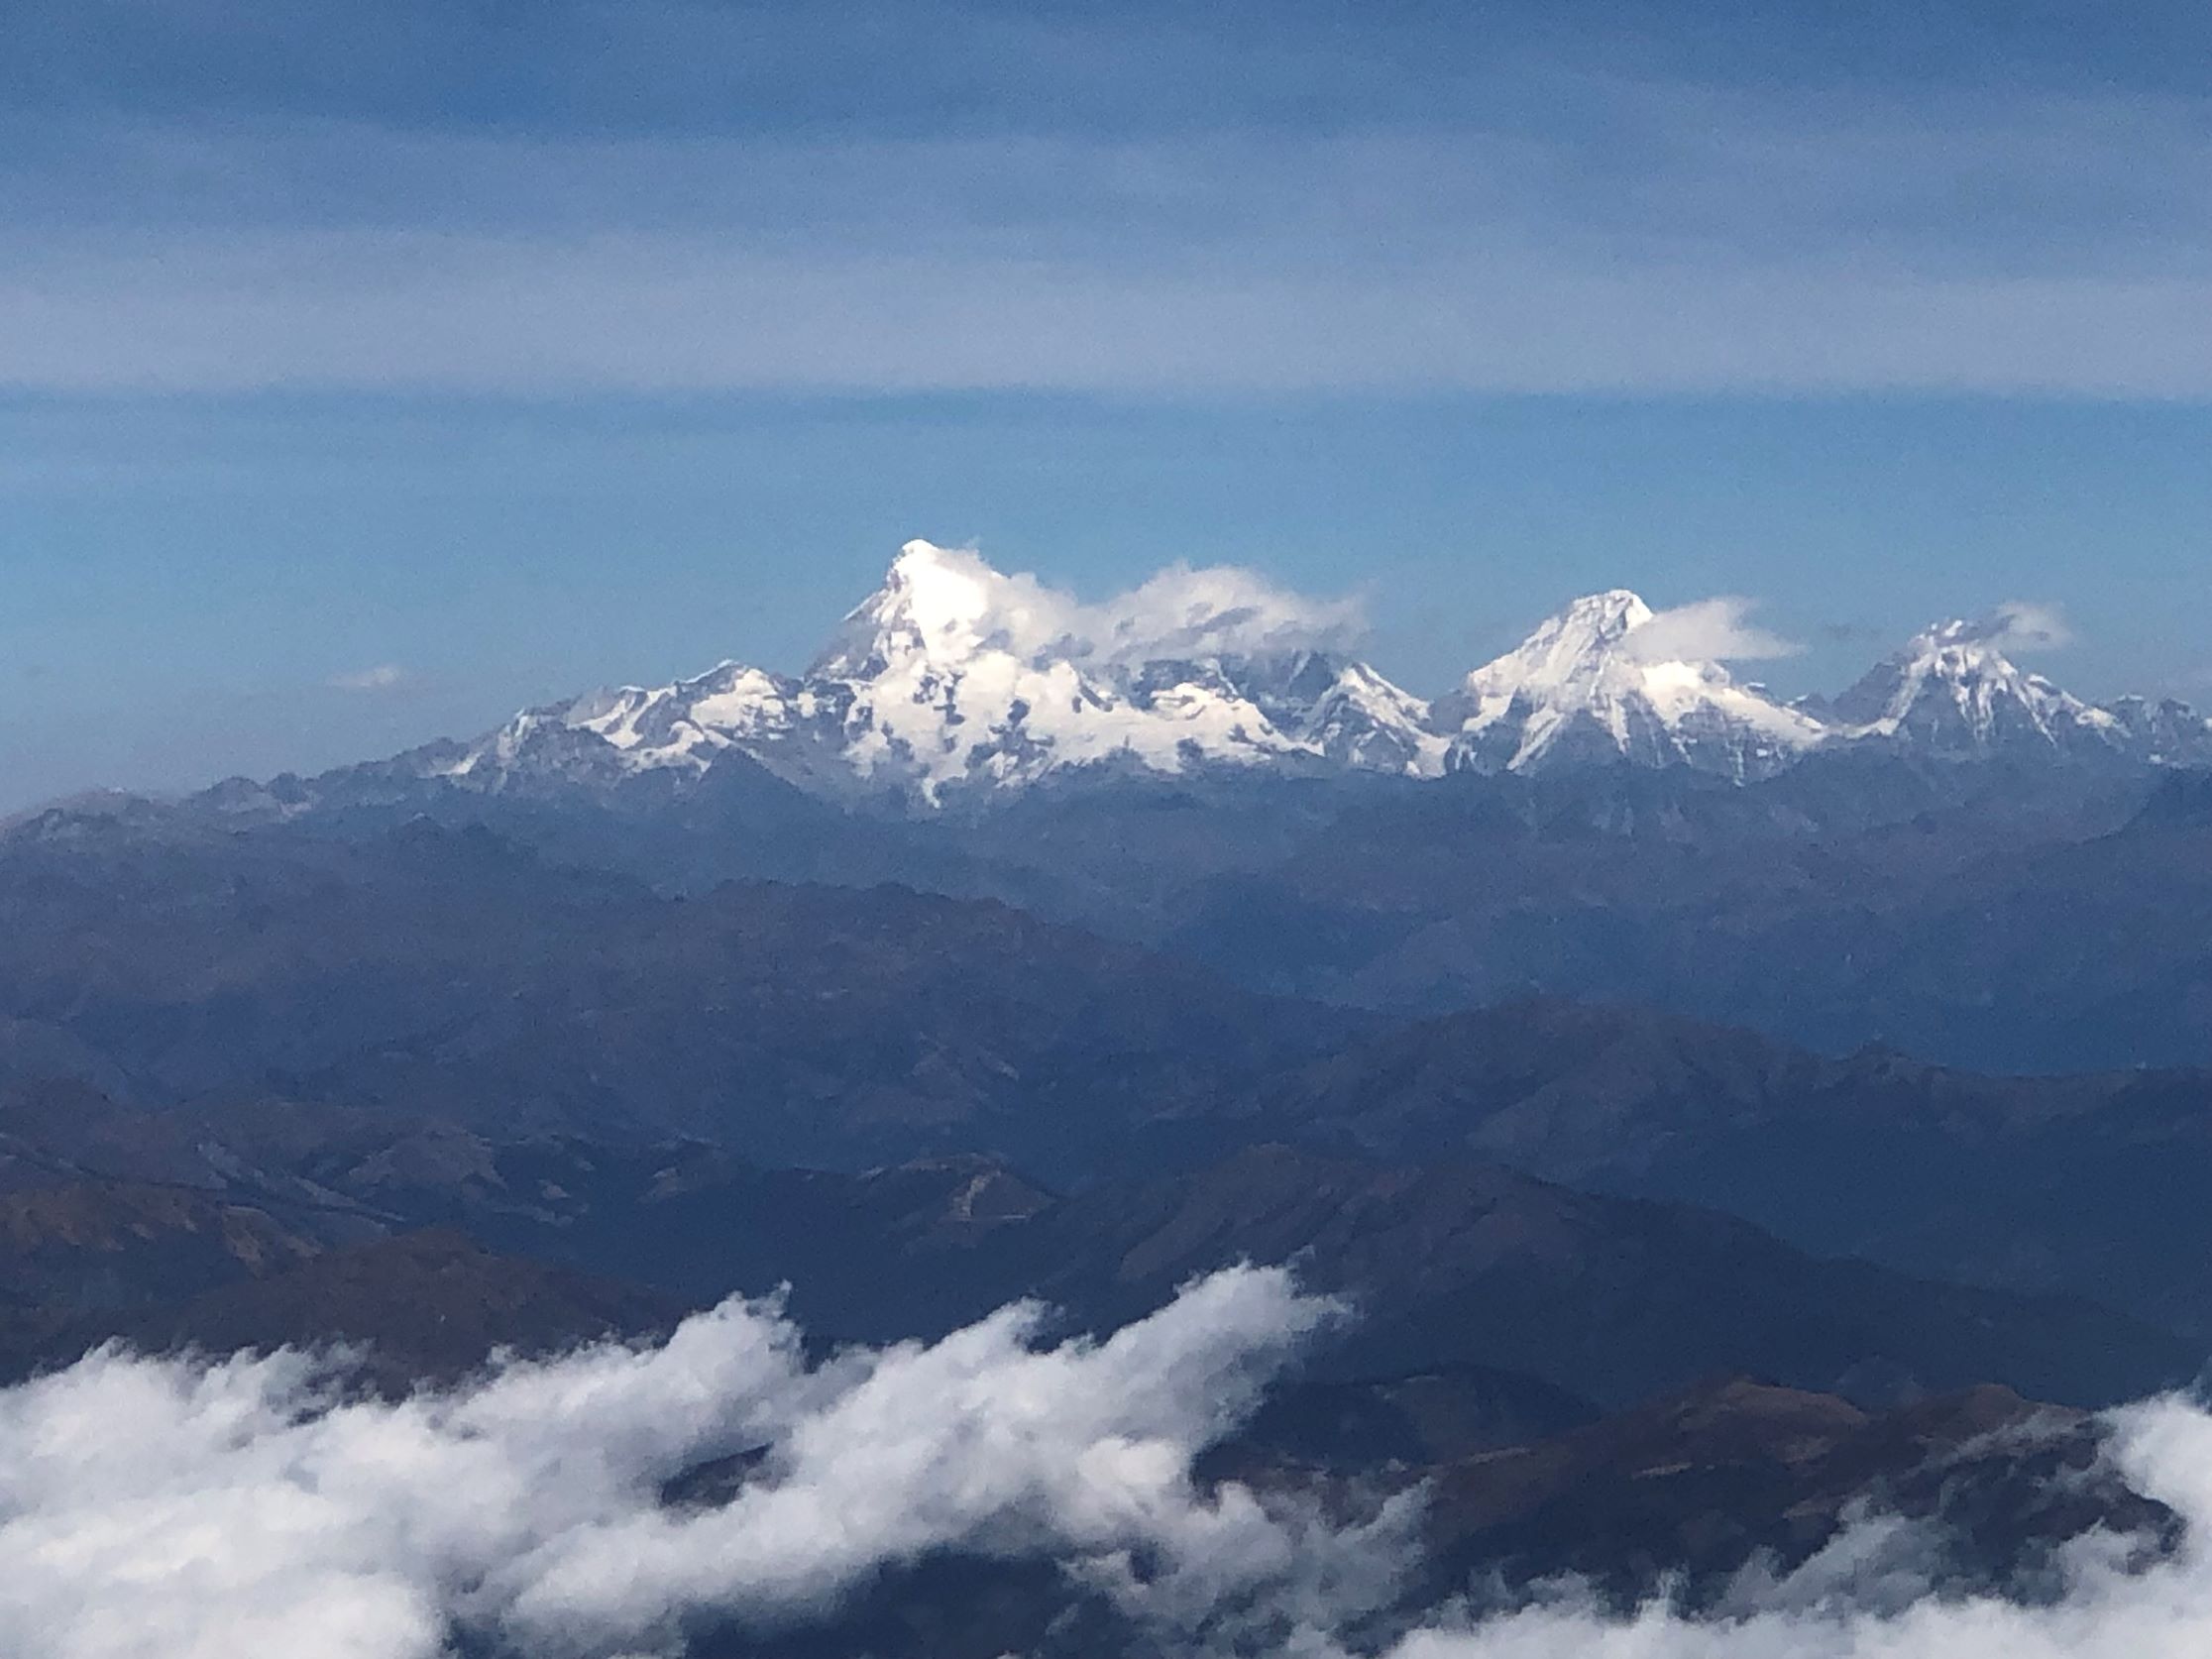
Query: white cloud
253	1510
1865	1597
2025	626
1706	631
962	603
257	1509
382	677
1219	610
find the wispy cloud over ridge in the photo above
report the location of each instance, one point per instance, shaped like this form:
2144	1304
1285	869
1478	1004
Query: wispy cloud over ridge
1715	630
962	602
2028	626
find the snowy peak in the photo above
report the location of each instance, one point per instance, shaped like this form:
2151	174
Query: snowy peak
938	606
1952	692
1343	711
2165	732
956	681
1580	641
954	676
1600	682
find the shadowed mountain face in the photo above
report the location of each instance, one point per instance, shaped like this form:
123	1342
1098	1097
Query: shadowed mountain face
1448	1266
2005	923
1511	1337
1692	1487
2092	1183
1695	1497
1454	1264
453	973
1991	915
455	977
1486	1304
423	1306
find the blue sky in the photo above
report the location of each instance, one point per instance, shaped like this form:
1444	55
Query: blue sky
514	348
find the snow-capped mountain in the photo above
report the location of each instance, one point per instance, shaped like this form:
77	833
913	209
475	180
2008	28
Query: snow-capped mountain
2163	732
1952	693
955	676
1592	683
957	682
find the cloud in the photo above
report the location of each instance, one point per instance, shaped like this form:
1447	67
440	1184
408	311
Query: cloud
382	677
1852	633
240	1509
234	1511
1867	1595
1219	610
2025	626
1706	631
1756	242
659	314
960	602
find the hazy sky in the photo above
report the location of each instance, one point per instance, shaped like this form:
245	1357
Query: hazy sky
369	369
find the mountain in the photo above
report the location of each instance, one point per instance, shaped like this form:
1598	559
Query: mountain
1873	1155
452	971
1592	685
1691	1502
1598	684
955	684
2005	933
72	1250
955	678
1674	1503
1681	1494
1952	693
1452	1263
428	1305
2167	733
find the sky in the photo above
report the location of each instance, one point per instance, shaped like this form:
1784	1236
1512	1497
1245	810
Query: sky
370	370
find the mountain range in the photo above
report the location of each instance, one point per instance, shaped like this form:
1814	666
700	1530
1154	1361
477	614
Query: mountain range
454	976
1722	1119
956	683
1952	857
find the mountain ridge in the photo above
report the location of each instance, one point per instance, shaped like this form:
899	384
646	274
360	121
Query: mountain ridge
956	683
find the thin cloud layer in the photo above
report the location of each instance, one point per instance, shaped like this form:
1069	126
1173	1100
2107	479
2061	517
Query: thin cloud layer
1760	241
2025	626
626	313
382	677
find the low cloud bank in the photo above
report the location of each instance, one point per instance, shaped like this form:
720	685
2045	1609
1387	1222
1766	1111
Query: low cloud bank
255	1507
250	1508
